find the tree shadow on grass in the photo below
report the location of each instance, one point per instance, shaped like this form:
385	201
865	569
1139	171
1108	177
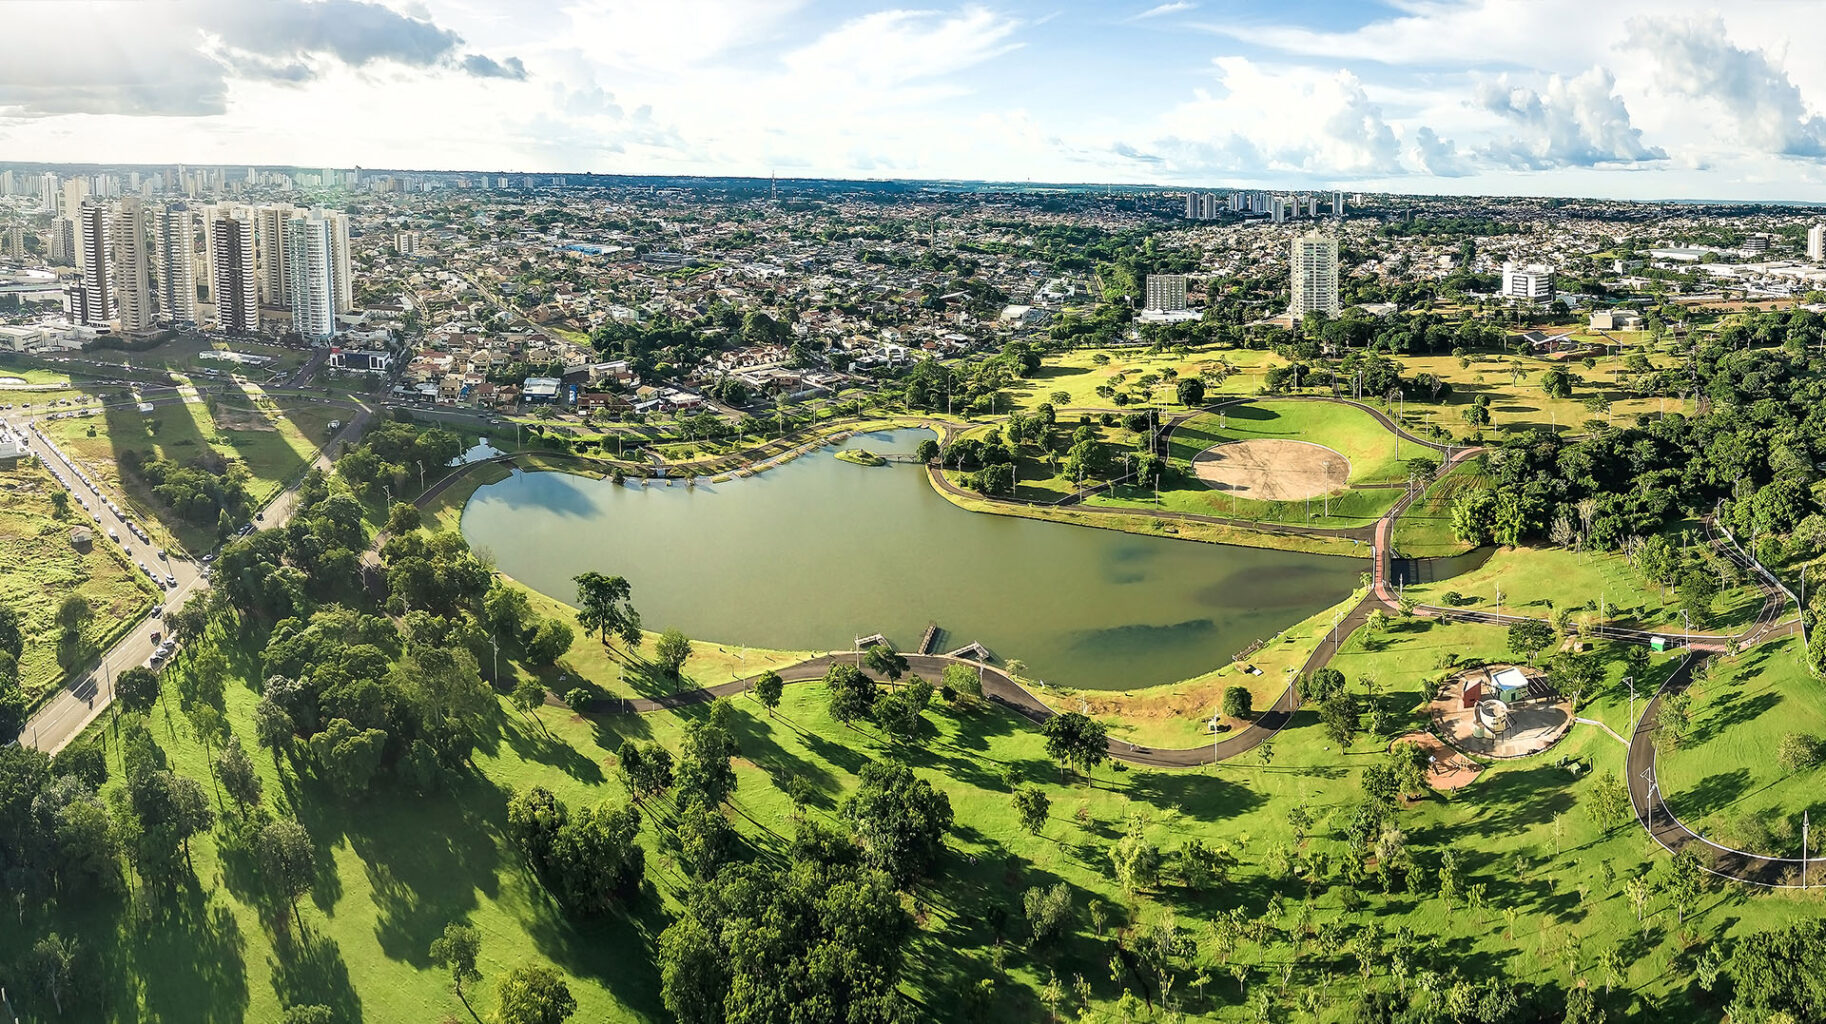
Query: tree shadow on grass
1715	792
309	970
186	959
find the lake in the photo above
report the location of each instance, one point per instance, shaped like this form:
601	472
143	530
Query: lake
812	554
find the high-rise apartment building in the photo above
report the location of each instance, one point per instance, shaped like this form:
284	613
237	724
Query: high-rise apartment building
406	243
1528	283
1314	265
1166	292
15	242
177	285
234	286
1816	243
275	269
342	262
311	284
94	246
133	266
1337	205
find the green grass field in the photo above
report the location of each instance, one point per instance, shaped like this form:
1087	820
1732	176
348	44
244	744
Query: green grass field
397	867
1376	456
1541	581
275	441
1724	779
42	567
1425	527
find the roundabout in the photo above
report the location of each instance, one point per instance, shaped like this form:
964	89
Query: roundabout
1272	469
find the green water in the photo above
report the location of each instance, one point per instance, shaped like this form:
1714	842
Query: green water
813	554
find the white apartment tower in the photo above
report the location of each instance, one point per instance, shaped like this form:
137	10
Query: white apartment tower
94	247
1530	283
311	282
1166	292
133	266
232	260
177	263
1314	263
274	267
1816	243
342	264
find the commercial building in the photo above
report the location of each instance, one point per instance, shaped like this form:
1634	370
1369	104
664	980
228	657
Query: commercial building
177	284
1314	267
1530	283
133	266
232	261
1166	292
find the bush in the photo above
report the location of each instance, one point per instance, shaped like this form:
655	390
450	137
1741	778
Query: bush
1799	752
1451	598
1237	702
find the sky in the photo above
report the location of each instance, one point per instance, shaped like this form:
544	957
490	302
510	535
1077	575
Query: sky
1643	99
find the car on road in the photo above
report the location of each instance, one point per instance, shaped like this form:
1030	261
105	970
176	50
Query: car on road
157	636
158	611
171	581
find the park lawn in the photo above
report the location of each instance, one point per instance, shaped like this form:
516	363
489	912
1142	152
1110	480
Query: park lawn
42	567
1137	522
1176	715
275	449
406	864
1078	375
1724	779
1519	403
1374	452
1425	527
1540	581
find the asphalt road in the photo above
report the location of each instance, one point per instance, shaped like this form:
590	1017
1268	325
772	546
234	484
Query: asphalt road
90	691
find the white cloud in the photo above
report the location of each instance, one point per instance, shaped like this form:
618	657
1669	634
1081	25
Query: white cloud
1576	122
1695	59
1164	9
1439	157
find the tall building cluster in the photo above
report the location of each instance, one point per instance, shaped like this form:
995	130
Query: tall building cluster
1277	208
142	265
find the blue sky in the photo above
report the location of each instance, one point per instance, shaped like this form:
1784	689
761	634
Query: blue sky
1665	99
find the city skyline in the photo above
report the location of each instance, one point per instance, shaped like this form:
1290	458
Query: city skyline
1642	102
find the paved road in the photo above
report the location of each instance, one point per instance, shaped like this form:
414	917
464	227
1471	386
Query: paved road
90	692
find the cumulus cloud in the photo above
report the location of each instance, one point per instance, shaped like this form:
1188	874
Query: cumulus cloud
177	58
1439	157
1576	122
1696	59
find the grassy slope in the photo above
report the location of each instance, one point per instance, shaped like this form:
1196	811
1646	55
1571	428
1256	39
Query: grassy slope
405	865
1425	528
1726	772
42	566
1540	581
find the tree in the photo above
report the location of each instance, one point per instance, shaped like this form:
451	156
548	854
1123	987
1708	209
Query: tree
549	642
1032	808
885	661
1238	702
308	1013
348	756
927	451
767	689
594	859
670	651
852	694
137	689
1528	637
12	640
705	840
403	517
528	696
1339	714
287	860
1191	391
52	967
704	771
456	951
237	774
534	995
1135	858
1610	803
507	611
1076	741
1202	866
963	681
1685	881
1049	913
604	606
899	819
